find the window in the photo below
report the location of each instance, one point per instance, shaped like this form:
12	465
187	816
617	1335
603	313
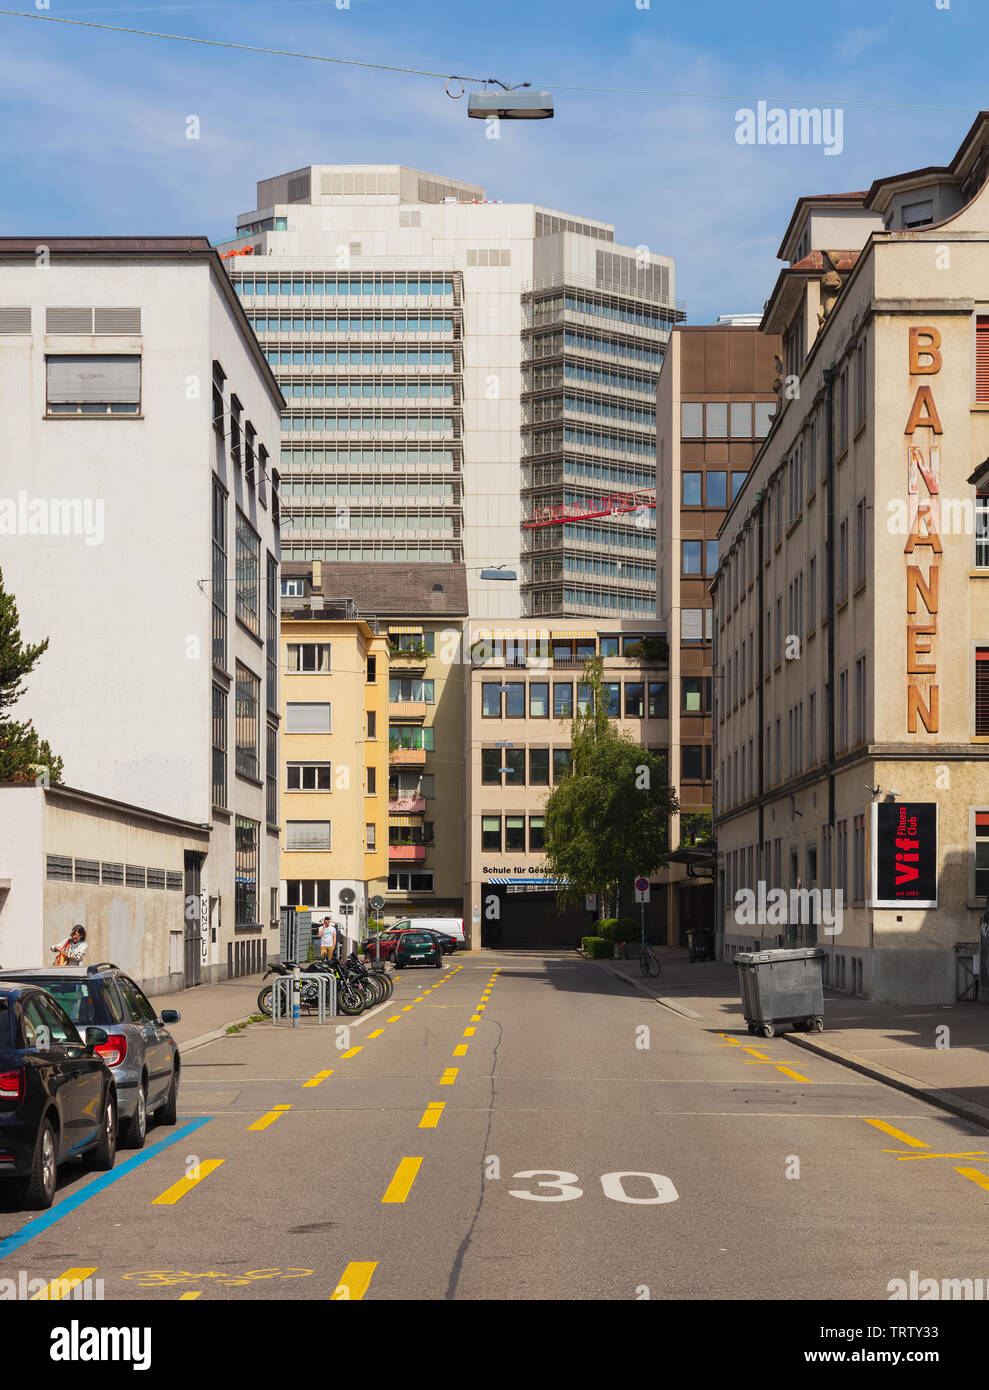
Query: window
491	832
271	633
307	719
741	420
717	419
563	700
584	697
812	728
691	489
248	575
219	576
219	792
539	767
248	697
411	691
293	588
860	700
711	557
562	760
307	892
841	855
372	724
764	411
717	489
609	645
692	694
537	832
515	833
841	578
250	435
417	784
308	656
372	781
982	691
658	702
861	384
218	380
411	736
691	624
812	593
860	542
421	882
236	411
308	834
858	859
271	776
369	835
634	699
691	762
539	700
88	384
691	420
981	856
982	359
612	692
491	701
841	412
514	700
691	557
309	777
842	711
372	670
514	761
245	872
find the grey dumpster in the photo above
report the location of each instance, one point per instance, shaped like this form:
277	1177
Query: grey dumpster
699	941
782	987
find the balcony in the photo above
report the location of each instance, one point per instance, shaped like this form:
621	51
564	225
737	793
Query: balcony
413	852
407	757
408	663
407	709
411	805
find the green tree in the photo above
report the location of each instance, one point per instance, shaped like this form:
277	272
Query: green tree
607	820
695	828
24	755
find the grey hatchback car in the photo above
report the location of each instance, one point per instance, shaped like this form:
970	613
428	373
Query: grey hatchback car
140	1052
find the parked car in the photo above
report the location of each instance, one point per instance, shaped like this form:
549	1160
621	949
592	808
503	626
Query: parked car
417	948
448	943
57	1096
449	926
139	1050
387	940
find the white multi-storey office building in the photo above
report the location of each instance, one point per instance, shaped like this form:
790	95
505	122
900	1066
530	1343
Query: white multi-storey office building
137	420
467	381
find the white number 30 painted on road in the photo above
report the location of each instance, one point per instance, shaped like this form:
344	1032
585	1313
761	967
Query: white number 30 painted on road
612	1183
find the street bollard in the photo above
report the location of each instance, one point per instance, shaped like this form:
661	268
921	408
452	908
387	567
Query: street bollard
296	990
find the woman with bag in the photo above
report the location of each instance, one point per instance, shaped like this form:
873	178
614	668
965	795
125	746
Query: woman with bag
73	951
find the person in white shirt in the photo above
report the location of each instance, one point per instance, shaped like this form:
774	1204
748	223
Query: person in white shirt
327	939
73	951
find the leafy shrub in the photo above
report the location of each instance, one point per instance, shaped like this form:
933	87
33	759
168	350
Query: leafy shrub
597	948
606	929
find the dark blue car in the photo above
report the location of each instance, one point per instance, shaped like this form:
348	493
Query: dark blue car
57	1097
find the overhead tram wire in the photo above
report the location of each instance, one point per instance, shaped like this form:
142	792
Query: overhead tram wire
447	77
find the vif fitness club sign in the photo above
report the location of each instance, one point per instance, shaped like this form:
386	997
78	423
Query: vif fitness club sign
904	854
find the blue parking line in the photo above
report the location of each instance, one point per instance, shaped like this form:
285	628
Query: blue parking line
75	1199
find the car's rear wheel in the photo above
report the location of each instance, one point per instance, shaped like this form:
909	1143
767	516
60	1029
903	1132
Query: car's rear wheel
168	1113
36	1192
101	1157
136	1130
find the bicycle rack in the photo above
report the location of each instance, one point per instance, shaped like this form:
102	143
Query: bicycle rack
281	996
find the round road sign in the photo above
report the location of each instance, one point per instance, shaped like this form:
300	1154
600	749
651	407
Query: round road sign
642	885
347	895
377	902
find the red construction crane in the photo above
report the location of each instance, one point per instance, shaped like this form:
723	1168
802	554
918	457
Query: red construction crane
617	504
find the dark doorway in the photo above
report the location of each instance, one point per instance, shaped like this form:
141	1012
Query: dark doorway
193	919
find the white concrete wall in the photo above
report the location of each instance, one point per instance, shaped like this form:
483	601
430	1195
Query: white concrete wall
22	861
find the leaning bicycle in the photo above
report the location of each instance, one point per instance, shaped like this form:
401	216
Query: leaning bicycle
648	963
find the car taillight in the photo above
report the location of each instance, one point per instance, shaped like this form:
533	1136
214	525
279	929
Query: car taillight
113	1051
12	1085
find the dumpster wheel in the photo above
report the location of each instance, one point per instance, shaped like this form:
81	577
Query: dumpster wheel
753	1027
818	1025
768	1031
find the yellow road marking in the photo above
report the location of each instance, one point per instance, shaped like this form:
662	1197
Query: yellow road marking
169	1197
795	1074
395	1018
407	1008
376	1034
468	1032
351	1052
270	1117
354	1280
460	1051
401	1184
431	1115
60	1287
184	1297
756	1053
475	1018
449	1076
973	1173
897	1133
480	1006
973	1153
320	1076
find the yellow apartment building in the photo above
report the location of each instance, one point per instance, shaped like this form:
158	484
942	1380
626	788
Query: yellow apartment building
334	757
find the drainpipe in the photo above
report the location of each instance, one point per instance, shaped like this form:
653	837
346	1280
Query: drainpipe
761	697
829	379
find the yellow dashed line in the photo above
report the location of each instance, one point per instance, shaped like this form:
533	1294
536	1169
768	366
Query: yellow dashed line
468	1032
460	1051
407	1009
401	1184
319	1077
169	1197
475	1018
376	1034
185	1297
897	1134
431	1115
756	1053
271	1116
351	1052
973	1174
354	1280
63	1285
395	1018
795	1074
449	1076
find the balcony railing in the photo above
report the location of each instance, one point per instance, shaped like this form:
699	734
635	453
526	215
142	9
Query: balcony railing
408	757
407	709
415	852
411	805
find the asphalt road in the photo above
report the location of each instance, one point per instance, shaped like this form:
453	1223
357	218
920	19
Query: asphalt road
469	1141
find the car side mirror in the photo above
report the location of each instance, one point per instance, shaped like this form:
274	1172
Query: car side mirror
171	1016
96	1037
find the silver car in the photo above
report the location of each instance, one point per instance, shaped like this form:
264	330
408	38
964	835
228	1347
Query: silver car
141	1053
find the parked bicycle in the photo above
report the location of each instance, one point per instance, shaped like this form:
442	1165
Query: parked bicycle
648	963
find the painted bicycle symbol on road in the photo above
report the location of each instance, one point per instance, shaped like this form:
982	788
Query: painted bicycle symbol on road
166	1278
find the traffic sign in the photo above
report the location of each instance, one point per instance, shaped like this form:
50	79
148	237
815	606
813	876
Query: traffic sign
347	895
377	903
641	890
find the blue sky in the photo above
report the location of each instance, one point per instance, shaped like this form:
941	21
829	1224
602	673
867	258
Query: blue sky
92	124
